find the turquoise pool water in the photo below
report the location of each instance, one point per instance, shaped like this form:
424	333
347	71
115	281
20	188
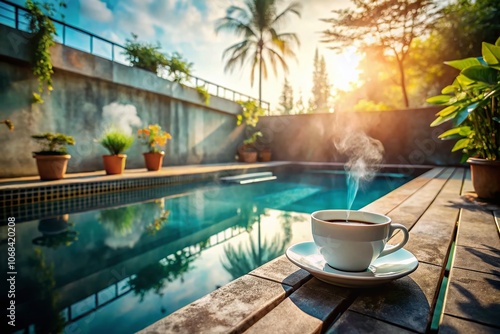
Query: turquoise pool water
118	270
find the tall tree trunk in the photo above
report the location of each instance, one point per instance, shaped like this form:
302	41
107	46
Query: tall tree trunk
403	82
261	44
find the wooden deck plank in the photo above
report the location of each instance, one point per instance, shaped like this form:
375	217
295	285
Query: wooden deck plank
474	296
477	229
305	310
431	236
478	259
415	205
364	325
405	302
281	270
388	202
287	318
452	325
234	307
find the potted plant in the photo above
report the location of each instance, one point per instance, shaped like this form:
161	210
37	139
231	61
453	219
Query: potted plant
248	152
53	157
116	142
249	116
155	139
473	105
264	146
265	154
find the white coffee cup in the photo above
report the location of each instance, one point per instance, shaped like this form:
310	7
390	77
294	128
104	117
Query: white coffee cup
353	245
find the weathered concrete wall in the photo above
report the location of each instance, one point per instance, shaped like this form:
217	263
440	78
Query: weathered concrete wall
405	135
83	85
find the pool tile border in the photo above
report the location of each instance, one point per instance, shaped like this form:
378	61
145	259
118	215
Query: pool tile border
29	203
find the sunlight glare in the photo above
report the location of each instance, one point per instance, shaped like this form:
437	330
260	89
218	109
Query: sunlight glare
344	69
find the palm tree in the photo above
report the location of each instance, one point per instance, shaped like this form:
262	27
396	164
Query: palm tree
257	23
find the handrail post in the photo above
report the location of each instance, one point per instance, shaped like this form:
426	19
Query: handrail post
16	13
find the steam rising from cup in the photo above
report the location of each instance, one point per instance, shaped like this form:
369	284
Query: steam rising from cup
121	116
364	157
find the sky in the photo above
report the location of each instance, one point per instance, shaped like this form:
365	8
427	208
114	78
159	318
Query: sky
187	27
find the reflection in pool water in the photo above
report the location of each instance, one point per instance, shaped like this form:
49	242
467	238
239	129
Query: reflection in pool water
120	269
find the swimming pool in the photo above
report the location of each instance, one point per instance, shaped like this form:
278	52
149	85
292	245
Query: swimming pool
120	269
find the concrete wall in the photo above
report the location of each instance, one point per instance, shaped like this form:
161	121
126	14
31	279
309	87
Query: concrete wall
83	85
405	135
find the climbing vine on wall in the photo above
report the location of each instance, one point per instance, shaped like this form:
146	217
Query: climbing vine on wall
43	30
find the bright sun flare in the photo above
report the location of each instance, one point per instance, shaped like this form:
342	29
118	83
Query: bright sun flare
343	68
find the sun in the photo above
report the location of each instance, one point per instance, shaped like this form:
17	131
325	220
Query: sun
343	69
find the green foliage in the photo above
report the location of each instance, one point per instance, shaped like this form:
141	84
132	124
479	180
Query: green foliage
118	220
250	117
367	105
258	22
203	92
116	142
43	30
144	55
249	142
148	57
250	113
53	143
472	103
320	101
179	69
286	99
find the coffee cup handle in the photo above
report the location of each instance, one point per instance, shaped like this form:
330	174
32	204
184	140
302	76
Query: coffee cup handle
391	249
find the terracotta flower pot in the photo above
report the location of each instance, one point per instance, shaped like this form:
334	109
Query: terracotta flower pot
114	164
153	160
265	155
486	178
249	156
52	167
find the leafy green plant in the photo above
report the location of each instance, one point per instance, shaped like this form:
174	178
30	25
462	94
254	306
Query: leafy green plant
250	113
250	117
179	69
116	141
43	29
203	92
473	105
144	55
53	143
148	57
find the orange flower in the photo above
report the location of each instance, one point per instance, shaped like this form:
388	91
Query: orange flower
154	137
161	140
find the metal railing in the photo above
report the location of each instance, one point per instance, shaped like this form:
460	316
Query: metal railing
14	16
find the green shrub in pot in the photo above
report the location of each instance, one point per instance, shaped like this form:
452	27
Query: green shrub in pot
472	104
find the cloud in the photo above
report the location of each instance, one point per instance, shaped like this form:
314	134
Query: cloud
96	10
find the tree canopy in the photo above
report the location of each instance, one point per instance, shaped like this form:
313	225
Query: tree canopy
388	25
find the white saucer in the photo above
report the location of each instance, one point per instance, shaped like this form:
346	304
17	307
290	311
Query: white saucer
382	270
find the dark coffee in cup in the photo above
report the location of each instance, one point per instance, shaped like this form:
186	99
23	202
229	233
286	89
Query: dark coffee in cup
350	221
